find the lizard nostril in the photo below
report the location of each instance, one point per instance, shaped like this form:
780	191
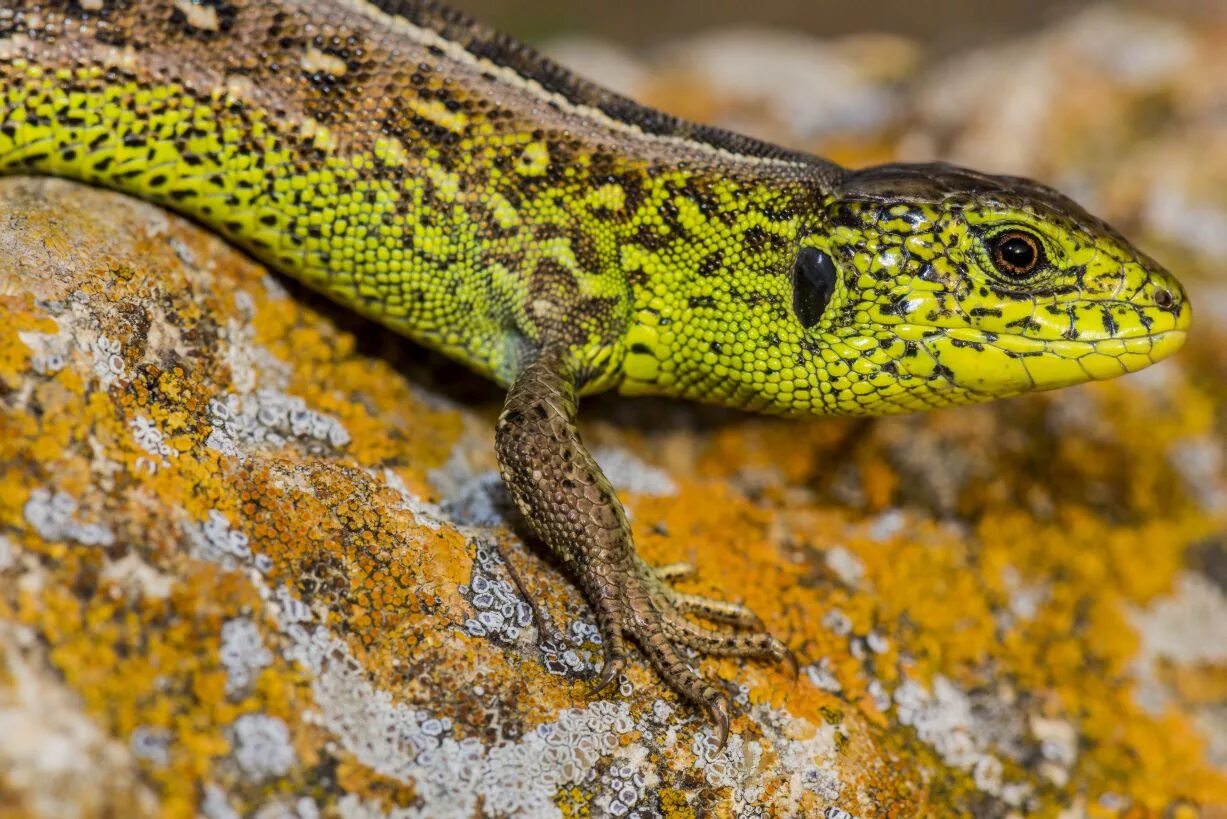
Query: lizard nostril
1163	298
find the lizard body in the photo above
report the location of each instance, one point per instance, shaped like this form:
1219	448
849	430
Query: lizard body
457	187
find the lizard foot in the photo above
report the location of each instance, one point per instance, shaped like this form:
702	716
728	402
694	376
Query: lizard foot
571	505
638	604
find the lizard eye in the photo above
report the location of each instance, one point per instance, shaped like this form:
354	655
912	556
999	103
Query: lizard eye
1016	253
813	283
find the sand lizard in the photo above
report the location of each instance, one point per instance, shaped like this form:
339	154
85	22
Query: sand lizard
456	186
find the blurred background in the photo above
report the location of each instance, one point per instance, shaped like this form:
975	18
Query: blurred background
944	23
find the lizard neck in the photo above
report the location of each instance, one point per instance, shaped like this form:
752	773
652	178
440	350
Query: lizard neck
711	284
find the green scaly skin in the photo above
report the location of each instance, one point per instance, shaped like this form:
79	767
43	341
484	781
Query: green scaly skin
460	189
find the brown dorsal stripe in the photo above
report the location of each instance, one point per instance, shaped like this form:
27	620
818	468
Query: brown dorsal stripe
506	52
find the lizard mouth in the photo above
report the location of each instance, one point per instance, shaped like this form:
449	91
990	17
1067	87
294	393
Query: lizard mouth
997	365
1164	344
995	361
1134	352
1108	358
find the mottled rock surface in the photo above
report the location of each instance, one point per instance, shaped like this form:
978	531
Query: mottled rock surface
249	544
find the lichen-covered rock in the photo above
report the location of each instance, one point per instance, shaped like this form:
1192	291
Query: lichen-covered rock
251	563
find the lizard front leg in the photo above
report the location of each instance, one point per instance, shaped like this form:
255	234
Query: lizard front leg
572	507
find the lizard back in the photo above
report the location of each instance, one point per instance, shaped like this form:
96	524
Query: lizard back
434	175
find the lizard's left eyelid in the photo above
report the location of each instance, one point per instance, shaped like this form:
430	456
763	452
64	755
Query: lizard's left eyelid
813	283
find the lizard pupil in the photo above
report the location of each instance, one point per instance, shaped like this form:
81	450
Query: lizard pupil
1016	253
813	284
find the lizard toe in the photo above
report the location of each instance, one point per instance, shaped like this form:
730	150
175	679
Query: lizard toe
717	611
725	643
671	572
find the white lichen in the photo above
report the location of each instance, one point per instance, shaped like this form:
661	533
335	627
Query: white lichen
1058	740
262	746
271	418
242	654
880	696
876	642
287	807
499	610
943	719
150	744
847	566
49	351
136	579
887	525
623	792
53	516
1186	628
289	609
500	613
55	755
808	765
149	438
821	676
478	500
1025	598
217	542
1201	462
453	777
108	362
214	805
837	622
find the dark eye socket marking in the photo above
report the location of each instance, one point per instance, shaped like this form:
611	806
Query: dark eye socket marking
1016	253
813	284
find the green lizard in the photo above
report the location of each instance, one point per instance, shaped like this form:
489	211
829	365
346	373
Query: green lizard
459	188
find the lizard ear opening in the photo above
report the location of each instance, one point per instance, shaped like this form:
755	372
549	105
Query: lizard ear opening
813	284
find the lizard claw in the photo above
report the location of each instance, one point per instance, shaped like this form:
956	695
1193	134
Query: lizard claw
718	712
610	671
790	662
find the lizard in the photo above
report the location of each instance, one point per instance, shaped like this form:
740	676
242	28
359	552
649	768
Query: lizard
458	187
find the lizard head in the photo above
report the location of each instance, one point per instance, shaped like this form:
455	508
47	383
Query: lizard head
931	285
